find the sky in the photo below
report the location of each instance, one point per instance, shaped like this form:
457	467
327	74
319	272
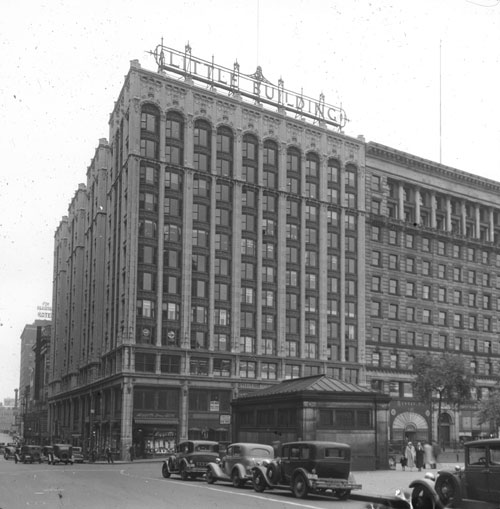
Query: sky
421	76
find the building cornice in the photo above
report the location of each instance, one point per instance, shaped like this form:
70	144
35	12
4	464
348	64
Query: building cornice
382	152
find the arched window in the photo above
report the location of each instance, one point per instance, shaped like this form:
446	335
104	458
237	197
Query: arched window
174	138
333	177
224	152
150	129
270	160
312	175
250	158
202	145
293	171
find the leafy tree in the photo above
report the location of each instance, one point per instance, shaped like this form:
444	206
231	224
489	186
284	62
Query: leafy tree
489	409
445	378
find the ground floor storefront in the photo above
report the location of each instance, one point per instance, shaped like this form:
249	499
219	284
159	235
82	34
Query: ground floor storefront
141	418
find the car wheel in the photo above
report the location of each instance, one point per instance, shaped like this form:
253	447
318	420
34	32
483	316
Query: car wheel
448	489
299	486
273	473
183	473
210	476
165	472
342	494
235	478
258	482
421	498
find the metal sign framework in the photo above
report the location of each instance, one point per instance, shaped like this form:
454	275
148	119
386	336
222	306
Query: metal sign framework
252	86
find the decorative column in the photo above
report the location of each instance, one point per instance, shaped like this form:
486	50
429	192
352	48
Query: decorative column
401	202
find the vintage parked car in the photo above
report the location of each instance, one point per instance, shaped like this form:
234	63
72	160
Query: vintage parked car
238	462
30	454
318	467
62	453
78	456
190	459
9	451
47	453
476	484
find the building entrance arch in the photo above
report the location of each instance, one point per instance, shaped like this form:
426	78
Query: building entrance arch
445	424
410	426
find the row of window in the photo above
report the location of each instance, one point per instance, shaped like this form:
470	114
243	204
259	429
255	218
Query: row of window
395	360
439	293
221	367
428	245
199	400
173	233
224	147
428	340
405	389
429	268
444	318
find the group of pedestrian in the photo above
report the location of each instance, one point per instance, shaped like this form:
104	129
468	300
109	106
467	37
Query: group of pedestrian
418	456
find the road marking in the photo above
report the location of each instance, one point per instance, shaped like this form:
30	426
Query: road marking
206	486
261	497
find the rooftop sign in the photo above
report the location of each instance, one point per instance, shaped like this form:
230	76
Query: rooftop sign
44	311
253	86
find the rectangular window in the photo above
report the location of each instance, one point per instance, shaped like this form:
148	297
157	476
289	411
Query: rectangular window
247	369
145	362
198	366
247	344
170	364
393	311
268	371
222	367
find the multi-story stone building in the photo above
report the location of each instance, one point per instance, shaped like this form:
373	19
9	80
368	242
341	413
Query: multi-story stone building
31	422
433	282
228	237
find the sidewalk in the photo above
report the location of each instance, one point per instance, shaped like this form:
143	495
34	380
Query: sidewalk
375	482
386	482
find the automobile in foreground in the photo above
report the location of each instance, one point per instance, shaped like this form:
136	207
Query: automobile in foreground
476	484
9	451
30	454
62	453
317	467
238	462
78	456
47	453
191	459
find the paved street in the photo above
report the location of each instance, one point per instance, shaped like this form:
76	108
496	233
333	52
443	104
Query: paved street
140	484
131	486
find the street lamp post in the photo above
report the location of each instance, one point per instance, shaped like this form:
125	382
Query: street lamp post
440	390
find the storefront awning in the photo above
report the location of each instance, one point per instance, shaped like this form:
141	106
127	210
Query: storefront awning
158	422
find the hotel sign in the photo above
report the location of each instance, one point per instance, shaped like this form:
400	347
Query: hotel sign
252	86
44	311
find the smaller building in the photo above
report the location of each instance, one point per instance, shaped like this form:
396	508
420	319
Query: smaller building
317	408
7	419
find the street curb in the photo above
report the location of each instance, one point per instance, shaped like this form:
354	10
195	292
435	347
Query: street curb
394	502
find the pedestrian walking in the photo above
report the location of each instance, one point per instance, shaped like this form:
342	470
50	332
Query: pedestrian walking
403	461
410	455
131	452
17	454
429	456
109	455
419	456
436	451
